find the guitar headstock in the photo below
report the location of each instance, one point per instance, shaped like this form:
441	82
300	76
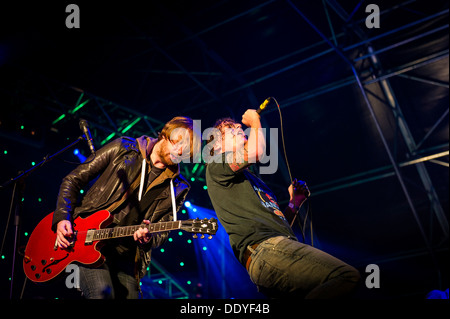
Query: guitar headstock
200	226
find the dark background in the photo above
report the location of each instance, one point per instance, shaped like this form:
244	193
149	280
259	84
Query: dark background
375	156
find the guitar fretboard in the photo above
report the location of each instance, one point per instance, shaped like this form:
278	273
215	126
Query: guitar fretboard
108	233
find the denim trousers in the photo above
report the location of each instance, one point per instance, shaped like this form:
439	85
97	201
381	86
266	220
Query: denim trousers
283	268
114	279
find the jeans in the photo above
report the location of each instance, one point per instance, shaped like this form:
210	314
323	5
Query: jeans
282	267
113	280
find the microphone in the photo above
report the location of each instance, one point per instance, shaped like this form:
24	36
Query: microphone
85	129
263	105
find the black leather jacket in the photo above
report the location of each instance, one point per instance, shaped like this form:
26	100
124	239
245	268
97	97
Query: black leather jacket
113	169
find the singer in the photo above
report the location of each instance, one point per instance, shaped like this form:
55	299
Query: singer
260	233
131	179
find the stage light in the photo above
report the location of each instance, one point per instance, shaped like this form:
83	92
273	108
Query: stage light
195	209
181	264
205	187
81	191
131	125
183	211
187	204
189	241
192	179
162	250
26	234
171	239
5	152
80	156
78	107
33	163
59	119
217	256
110	136
180	233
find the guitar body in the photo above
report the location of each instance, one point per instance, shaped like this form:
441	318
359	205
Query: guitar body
44	260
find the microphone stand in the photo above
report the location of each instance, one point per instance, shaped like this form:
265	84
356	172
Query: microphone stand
16	202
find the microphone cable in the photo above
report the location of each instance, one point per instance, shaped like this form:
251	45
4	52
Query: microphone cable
308	211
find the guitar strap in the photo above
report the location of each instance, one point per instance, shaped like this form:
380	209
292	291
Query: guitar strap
155	188
125	195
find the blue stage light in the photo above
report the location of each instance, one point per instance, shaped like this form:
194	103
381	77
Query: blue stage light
80	156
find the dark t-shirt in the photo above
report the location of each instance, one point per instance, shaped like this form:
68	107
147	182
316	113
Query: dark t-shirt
132	210
245	206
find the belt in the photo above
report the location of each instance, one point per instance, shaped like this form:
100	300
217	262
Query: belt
248	256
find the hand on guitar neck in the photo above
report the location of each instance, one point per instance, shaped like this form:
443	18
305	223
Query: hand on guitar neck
143	235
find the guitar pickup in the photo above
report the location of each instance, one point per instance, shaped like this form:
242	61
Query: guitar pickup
89	237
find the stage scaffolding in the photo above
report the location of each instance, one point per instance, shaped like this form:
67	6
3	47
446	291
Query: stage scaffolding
64	102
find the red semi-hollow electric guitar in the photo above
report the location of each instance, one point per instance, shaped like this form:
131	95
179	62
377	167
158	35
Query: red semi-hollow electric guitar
43	260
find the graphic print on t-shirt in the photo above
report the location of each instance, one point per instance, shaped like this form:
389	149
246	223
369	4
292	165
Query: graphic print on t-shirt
265	196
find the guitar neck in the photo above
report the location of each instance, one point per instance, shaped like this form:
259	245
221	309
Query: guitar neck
124	231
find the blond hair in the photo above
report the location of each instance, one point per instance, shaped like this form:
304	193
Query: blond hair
176	125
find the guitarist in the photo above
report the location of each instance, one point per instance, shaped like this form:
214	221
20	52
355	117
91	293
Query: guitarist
131	178
260	233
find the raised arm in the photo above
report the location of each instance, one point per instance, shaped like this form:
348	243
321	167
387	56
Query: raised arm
253	148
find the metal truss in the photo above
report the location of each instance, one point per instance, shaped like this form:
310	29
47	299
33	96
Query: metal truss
64	104
388	96
158	283
109	119
417	155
